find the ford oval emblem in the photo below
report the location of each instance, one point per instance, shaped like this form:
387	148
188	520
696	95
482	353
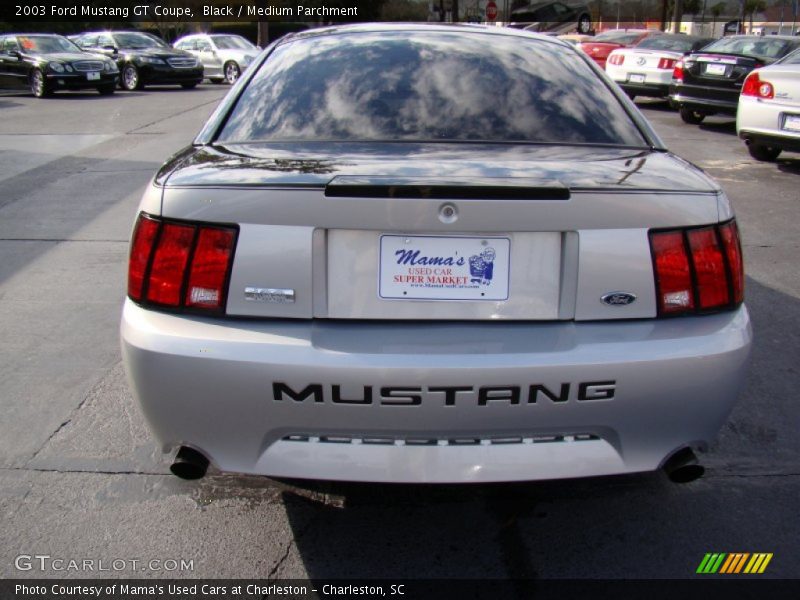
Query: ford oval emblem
618	299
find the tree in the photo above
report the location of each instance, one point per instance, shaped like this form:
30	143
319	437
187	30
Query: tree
753	6
716	12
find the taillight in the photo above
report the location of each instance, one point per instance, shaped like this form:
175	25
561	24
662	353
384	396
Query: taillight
617	59
180	264
677	71
733	252
755	86
141	248
698	269
667	63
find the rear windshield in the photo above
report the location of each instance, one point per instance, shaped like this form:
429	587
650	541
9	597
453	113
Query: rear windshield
428	86
792	59
670	43
751	46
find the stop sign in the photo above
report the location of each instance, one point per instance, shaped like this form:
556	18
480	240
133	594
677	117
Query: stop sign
491	10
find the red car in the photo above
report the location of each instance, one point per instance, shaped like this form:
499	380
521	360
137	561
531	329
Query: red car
601	45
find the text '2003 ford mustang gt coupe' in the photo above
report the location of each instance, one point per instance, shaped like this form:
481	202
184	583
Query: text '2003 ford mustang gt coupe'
423	253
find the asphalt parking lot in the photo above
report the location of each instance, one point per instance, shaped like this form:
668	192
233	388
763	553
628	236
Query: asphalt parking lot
80	478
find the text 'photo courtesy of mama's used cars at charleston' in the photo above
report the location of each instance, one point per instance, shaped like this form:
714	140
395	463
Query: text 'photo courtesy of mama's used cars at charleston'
46	63
223	56
768	117
365	268
144	59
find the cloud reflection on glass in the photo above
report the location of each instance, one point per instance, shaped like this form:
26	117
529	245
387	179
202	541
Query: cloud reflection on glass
429	86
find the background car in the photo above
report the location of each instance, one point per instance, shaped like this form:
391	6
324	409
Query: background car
143	59
575	38
768	116
224	56
557	17
45	63
601	45
708	82
646	69
362	270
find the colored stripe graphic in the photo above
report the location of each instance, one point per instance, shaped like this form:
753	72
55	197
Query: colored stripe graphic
734	563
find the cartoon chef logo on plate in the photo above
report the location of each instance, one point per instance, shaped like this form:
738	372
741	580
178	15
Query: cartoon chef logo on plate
481	266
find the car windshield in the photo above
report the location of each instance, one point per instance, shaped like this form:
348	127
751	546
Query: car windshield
137	40
679	43
232	42
428	86
46	44
617	37
751	46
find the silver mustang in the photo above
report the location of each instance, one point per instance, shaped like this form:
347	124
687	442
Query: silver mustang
428	253
224	56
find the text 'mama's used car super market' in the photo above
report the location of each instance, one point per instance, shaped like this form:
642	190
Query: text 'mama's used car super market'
362	269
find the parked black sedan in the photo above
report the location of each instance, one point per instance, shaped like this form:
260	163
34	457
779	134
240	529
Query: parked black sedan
44	63
144	59
708	82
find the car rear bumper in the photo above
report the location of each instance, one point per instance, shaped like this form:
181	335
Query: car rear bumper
636	391
704	99
762	122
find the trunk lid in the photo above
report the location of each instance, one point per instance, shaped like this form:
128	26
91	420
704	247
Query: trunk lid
439	232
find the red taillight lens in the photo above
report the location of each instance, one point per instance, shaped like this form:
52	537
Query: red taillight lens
169	264
180	265
755	86
667	63
698	269
729	233
209	270
141	247
617	59
673	277
677	71
709	267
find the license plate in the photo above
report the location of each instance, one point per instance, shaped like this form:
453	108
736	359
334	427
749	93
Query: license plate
444	267
92	76
636	78
792	122
715	69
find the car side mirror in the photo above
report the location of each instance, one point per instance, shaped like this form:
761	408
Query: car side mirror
111	49
15	53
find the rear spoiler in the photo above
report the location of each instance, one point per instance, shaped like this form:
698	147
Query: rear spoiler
445	189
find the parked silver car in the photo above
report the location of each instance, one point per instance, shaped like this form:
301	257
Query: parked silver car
768	116
367	268
224	56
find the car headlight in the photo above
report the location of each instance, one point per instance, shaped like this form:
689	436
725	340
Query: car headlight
56	67
68	68
109	65
151	60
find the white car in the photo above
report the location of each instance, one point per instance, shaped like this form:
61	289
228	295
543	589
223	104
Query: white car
646	69
768	118
224	56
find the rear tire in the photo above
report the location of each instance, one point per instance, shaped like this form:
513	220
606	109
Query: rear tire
692	117
130	79
763	153
584	24
232	72
106	90
39	85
